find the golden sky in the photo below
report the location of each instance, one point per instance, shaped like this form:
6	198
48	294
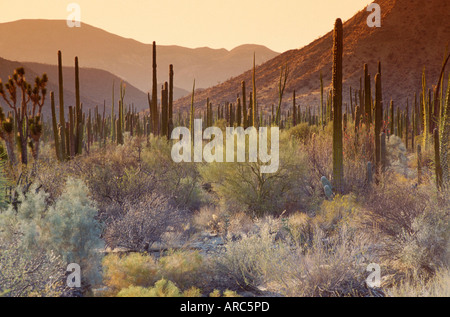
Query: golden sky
278	24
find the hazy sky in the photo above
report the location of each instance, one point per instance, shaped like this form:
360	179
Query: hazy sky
277	24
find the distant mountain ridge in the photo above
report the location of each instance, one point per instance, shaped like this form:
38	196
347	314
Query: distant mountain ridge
95	86
39	41
413	36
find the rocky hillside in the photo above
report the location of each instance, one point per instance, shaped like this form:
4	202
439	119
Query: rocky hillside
413	35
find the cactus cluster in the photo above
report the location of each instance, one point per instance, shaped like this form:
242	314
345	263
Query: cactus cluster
75	132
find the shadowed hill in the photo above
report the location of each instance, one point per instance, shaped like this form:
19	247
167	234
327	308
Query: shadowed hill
95	86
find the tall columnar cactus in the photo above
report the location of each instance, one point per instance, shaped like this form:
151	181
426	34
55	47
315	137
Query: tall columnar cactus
294	110
244	105
425	112
78	112
55	127
378	119
113	122
367	97
322	118
338	164
165	109
71	133
170	127
254	104
238	112
154	103
191	113
62	119
281	87
391	117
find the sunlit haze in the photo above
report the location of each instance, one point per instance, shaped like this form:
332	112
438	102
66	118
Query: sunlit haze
280	25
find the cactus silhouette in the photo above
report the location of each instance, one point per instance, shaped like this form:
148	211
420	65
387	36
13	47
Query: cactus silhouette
338	166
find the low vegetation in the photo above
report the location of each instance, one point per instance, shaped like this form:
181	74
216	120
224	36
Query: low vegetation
105	194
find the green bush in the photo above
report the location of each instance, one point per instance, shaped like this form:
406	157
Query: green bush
241	186
184	268
68	227
135	269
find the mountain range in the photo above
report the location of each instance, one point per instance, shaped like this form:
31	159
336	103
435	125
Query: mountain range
39	41
413	37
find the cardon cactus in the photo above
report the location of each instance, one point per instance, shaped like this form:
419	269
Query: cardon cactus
378	119
338	166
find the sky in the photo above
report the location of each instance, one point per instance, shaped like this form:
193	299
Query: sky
278	24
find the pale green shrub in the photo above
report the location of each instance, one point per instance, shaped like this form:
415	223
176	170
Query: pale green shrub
73	231
68	227
184	268
242	187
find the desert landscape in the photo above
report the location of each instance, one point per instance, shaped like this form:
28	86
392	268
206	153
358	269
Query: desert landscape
112	185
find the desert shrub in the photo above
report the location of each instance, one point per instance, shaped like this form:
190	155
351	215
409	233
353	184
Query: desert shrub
137	226
299	227
249	261
184	268
29	272
72	229
122	174
68	227
225	293
179	181
326	265
413	222
302	132
437	286
211	219
242	186
335	213
135	269
115	176
333	266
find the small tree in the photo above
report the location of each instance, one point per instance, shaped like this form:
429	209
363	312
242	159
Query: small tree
27	121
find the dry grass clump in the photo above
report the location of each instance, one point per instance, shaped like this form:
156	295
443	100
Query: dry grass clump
313	259
411	226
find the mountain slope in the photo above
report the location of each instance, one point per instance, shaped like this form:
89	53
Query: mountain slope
39	41
95	86
413	35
